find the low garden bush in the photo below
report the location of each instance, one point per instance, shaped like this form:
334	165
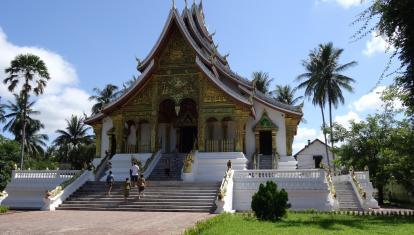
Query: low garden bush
269	203
3	209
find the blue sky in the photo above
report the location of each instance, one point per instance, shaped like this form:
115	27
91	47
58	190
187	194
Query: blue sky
91	43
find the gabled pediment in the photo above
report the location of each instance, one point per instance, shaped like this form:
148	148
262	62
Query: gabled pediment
265	123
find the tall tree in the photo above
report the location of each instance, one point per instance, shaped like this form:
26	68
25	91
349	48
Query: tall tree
15	116
2	112
32	72
314	92
325	79
286	94
75	133
33	141
261	81
395	21
103	97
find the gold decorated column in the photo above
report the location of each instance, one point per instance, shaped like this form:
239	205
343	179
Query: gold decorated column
240	124
274	143
97	129
154	144
201	131
291	124
119	132
257	141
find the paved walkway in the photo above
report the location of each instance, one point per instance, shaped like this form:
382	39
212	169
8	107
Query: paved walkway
98	222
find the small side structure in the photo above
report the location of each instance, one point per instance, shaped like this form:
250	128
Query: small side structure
27	189
313	155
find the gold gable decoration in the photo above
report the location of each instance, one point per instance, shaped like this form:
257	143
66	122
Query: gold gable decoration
265	124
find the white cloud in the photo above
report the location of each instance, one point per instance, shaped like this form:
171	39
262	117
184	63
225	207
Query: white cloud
369	102
376	44
343	3
303	135
61	98
345	119
349	3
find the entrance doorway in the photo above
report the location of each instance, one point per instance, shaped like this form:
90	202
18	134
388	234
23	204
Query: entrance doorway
266	142
188	136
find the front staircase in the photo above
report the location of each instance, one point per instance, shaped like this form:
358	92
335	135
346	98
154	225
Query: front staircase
347	199
265	162
174	196
168	168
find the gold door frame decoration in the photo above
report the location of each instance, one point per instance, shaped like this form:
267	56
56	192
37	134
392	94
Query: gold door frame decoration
265	124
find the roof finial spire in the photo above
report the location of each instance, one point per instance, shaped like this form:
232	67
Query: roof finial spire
173	4
186	5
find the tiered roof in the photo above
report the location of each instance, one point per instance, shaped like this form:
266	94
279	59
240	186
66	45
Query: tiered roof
214	65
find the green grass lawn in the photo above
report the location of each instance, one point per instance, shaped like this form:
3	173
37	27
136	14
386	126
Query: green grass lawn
301	223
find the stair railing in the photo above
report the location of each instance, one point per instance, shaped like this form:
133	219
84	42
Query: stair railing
275	160
358	185
152	162
59	194
101	168
224	201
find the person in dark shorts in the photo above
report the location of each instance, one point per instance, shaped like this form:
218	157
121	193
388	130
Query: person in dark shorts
110	182
127	188
141	186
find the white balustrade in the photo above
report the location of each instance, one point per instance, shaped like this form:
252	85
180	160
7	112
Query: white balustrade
306	188
27	188
293	174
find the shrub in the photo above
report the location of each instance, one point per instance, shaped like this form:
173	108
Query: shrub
269	203
3	209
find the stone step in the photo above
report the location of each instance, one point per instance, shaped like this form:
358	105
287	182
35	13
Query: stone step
163	196
134	209
145	198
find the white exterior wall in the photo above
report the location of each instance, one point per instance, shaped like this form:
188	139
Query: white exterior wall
306	189
277	118
305	157
106	126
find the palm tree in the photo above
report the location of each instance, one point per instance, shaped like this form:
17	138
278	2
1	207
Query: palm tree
2	112
129	83
33	142
286	94
325	81
15	116
261	81
32	71
103	97
75	133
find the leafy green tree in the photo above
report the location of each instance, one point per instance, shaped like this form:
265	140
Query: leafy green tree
394	19
9	155
269	203
382	143
103	97
323	79
286	94
32	72
261	81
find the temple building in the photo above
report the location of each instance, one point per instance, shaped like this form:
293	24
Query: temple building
188	98
205	139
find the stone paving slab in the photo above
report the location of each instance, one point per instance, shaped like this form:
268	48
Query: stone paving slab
98	222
